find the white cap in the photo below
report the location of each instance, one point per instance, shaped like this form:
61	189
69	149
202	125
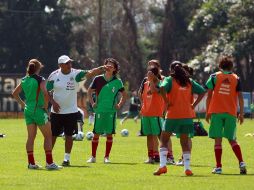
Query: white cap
64	59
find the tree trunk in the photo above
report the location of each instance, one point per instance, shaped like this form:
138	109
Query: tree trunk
100	33
166	47
135	58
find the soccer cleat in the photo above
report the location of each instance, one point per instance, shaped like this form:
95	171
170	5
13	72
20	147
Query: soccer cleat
150	160
243	169
91	160
66	163
170	161
217	170
160	171
53	166
188	172
106	160
34	166
180	162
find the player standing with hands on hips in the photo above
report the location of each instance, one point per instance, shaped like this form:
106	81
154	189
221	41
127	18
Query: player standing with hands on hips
62	86
35	111
107	87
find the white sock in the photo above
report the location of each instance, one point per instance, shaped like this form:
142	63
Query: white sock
163	156
91	119
186	159
67	156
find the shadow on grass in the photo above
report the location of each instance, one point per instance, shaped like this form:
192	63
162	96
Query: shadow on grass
77	166
200	166
237	174
124	163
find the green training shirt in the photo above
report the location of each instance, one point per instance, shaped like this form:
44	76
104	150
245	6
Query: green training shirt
106	93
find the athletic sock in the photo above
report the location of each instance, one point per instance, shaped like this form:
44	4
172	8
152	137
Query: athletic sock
30	156
109	143
95	142
163	156
67	156
218	153
49	158
186	160
170	154
237	150
156	154
150	153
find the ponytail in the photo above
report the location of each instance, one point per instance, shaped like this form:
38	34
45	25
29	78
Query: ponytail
33	66
31	69
181	75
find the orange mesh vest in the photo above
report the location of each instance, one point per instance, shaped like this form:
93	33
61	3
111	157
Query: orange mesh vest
180	99
153	104
224	97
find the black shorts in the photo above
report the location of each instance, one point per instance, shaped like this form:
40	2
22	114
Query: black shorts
66	123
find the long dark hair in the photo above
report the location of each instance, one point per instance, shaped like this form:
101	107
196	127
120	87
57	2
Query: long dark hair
155	71
180	75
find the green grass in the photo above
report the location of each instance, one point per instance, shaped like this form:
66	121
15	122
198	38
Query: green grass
127	170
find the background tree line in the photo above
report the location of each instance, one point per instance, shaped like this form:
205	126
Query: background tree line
132	31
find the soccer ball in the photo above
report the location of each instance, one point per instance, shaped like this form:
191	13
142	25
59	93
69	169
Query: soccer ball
79	136
125	133
89	135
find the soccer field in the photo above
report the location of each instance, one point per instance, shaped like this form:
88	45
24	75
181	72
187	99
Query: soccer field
127	170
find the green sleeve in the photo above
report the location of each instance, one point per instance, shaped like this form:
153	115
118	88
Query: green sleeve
50	85
81	75
167	84
197	88
211	82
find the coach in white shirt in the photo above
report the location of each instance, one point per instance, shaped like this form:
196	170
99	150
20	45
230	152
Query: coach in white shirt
62	86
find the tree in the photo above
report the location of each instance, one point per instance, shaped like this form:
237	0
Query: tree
33	29
227	34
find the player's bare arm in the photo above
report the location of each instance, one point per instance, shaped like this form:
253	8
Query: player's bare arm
16	96
241	105
90	96
55	105
45	94
122	100
208	100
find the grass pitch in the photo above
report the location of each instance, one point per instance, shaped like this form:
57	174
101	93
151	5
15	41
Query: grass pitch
127	170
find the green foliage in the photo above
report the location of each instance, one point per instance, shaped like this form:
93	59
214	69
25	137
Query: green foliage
34	29
226	33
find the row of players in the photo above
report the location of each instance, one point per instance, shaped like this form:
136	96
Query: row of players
169	97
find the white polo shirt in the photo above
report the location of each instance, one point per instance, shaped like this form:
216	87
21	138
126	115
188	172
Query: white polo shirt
65	88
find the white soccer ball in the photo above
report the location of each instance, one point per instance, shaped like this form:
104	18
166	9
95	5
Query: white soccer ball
79	136
89	135
125	133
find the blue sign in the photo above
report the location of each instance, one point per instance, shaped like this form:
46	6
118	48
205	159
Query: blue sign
247	102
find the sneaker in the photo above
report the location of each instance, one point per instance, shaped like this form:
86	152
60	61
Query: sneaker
150	160
242	167
160	171
170	161
217	170
180	162
66	163
91	160
53	166
188	172
106	160
34	167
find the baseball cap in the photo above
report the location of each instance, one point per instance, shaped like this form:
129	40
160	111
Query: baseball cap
64	59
